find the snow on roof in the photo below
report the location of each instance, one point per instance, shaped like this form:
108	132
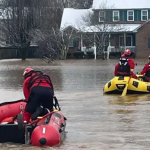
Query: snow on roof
121	4
72	16
111	28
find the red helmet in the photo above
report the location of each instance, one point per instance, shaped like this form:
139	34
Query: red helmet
127	52
27	70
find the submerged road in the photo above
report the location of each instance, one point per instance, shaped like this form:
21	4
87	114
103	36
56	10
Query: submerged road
95	121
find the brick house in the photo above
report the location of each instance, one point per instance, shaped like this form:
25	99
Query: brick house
133	16
143	40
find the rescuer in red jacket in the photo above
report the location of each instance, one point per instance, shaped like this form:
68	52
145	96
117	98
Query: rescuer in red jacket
38	90
146	71
125	66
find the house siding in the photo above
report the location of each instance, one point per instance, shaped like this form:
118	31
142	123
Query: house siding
148	14
109	16
138	15
135	15
142	36
122	15
95	18
125	15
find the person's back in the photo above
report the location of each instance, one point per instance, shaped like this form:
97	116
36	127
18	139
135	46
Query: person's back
39	78
125	66
38	90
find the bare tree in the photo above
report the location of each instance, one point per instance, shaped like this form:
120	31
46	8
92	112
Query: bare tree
63	39
19	19
56	42
80	4
47	48
99	27
22	17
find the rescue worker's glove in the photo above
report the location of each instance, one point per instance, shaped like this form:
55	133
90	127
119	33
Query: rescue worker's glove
131	72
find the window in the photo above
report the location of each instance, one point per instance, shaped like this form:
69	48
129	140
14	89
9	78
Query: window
115	15
144	15
101	16
128	40
148	42
130	15
71	42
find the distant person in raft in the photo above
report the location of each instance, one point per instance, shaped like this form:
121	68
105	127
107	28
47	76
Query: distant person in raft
146	71
125	66
38	90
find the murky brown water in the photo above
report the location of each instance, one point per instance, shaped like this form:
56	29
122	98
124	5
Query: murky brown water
95	121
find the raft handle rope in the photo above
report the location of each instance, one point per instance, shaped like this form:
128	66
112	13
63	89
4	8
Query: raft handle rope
56	105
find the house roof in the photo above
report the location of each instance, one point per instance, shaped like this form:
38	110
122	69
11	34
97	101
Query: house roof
141	25
72	17
111	28
121	4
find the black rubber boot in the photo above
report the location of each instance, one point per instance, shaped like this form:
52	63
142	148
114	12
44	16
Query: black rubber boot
44	112
37	113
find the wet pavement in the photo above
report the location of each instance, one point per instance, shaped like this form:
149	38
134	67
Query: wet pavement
95	121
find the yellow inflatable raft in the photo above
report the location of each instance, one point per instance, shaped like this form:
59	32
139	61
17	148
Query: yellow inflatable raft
117	84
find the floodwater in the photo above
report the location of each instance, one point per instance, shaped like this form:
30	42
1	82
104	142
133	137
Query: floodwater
95	121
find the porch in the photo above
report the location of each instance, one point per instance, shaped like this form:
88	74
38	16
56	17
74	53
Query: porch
92	44
115	44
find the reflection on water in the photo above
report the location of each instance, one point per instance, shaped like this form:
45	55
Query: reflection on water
95	120
126	100
11	73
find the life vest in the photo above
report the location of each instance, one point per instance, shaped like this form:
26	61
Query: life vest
123	66
38	77
147	74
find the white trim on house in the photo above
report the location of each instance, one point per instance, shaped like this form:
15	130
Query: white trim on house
126	40
130	15
116	11
101	16
144	15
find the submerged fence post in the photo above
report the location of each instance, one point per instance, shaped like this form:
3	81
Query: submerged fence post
109	48
94	46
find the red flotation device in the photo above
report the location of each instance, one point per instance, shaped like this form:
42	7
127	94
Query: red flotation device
47	130
49	133
11	109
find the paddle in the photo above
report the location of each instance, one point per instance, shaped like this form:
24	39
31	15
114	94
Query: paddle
125	89
39	118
